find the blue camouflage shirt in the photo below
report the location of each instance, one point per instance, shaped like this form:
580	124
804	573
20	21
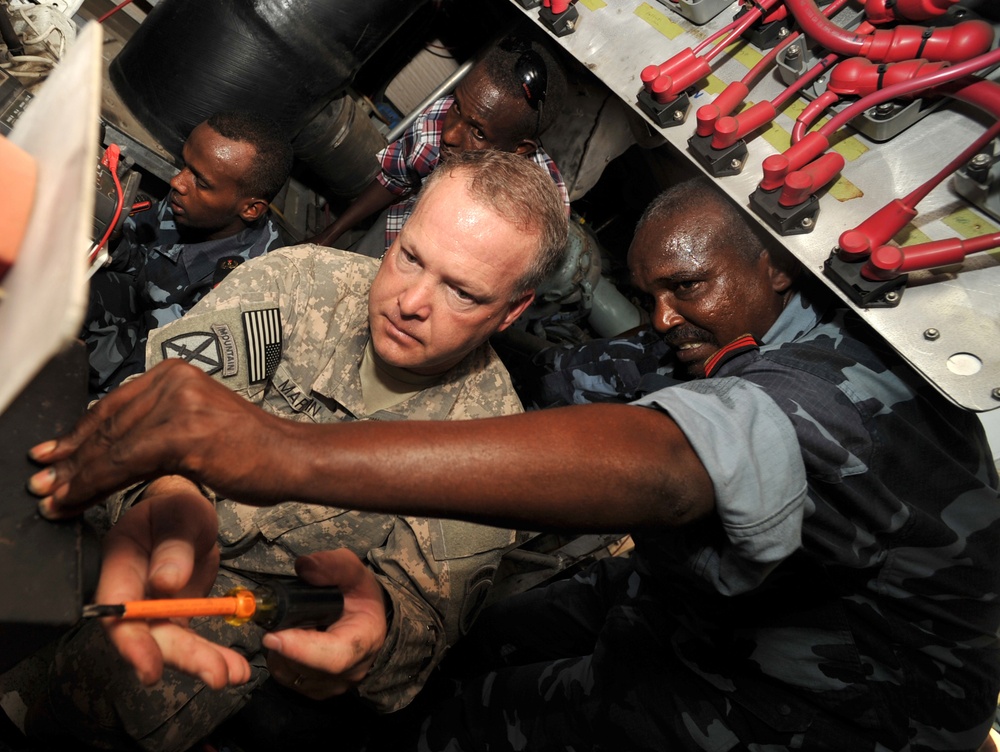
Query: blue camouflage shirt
844	595
153	279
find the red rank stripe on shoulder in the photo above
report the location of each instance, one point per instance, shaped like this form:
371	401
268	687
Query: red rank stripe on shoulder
741	344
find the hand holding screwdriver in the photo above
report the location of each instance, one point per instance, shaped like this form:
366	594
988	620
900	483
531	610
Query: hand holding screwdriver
165	547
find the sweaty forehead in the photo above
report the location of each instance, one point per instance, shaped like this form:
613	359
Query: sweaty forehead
481	100
664	245
216	155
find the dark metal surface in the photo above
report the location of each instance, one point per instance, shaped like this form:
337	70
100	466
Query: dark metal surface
47	567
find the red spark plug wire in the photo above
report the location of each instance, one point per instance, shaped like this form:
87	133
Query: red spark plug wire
960	42
736	92
886	11
668	80
777	166
859	77
881	226
889	262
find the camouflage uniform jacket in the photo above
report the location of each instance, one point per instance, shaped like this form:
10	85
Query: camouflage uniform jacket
152	279
845	592
436	573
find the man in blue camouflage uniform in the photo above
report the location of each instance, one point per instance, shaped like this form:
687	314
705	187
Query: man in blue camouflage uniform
214	218
616	369
816	528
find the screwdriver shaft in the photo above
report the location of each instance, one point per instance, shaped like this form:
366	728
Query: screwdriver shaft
241	605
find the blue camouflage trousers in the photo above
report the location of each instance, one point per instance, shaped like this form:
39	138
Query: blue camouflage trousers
573	666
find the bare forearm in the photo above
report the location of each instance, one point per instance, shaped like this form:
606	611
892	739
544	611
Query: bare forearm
599	467
596	467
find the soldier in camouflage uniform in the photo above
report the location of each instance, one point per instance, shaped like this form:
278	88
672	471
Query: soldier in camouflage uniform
215	218
815	527
319	335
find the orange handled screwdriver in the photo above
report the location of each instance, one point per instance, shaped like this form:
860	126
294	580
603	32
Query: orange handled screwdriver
274	605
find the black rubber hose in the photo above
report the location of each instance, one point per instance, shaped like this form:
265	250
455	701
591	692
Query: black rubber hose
10	38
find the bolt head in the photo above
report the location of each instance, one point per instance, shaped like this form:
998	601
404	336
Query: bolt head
995	394
806	222
931	334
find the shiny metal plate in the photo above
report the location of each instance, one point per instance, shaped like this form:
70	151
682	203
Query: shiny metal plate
947	323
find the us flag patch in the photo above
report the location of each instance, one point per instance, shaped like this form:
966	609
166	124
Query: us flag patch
263	330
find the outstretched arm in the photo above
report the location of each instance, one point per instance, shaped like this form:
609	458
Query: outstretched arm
539	470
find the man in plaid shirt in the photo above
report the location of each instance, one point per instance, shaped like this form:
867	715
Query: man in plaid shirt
505	102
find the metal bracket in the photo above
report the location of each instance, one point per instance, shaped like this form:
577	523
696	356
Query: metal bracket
665	115
719	162
698	11
561	24
785	220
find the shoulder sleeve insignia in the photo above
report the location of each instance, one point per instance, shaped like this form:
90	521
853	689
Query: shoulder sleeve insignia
263	336
225	265
200	349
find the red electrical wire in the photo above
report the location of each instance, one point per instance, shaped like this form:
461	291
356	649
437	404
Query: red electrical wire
114	10
728	130
905	88
805	79
887	11
666	81
890	262
740	25
964	40
765	62
110	161
811	112
704	43
878	228
914	197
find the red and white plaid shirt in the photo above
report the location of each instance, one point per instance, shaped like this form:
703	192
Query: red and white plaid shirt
415	154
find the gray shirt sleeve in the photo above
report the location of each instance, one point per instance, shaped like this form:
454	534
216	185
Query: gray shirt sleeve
750	450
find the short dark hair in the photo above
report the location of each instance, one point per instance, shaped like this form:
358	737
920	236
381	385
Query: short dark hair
273	164
736	231
498	63
523	194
